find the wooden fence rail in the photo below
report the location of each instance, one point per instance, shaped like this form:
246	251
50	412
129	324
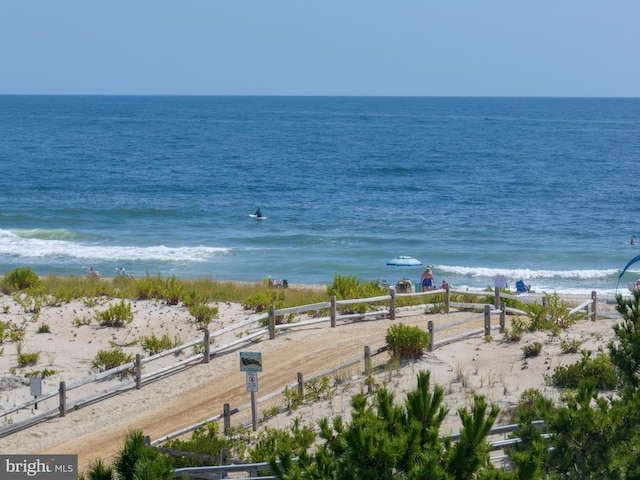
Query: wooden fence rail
208	352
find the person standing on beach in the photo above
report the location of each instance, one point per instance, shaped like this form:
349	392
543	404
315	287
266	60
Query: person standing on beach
427	280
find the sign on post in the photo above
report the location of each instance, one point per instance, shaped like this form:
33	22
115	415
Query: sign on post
250	361
252	381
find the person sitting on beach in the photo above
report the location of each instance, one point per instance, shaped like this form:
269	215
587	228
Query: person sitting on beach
522	287
427	280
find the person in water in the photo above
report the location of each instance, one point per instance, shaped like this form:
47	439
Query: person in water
258	213
427	280
633	240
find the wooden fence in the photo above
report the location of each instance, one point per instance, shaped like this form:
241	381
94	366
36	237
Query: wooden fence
387	310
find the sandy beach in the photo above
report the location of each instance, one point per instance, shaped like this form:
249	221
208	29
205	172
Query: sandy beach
494	368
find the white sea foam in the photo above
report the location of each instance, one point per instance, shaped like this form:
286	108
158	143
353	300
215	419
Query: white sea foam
527	273
23	248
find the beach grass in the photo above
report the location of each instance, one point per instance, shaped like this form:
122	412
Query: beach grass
63	289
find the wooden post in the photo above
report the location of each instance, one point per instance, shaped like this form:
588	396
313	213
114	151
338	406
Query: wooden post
431	332
503	317
487	320
496	298
367	359
224	456
544	302
392	304
272	322
300	385
447	299
226	412
138	371
333	311
63	399
207	345
594	304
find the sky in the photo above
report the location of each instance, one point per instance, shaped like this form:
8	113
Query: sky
557	48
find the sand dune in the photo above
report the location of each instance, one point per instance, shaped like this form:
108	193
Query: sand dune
495	368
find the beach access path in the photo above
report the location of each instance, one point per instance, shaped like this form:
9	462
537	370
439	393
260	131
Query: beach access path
492	367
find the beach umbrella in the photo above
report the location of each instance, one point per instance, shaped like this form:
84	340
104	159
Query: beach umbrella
404	262
631	262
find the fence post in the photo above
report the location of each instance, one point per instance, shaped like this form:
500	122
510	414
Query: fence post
224	456
503	317
333	311
300	385
367	359
447	299
272	322
594	304
63	399
487	320
138	371
431	332
496	299
226	412
392	304
207	345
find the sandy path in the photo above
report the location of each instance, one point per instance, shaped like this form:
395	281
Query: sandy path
175	402
495	369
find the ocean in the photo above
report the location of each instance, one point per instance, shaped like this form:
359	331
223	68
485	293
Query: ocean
544	189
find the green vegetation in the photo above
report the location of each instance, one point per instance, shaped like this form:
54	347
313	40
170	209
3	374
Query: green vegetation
20	278
117	315
203	314
599	371
405	342
28	359
153	345
108	359
532	349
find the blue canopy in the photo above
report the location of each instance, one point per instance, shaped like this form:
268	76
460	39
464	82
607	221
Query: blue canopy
631	262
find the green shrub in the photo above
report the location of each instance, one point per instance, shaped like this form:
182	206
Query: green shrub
28	359
44	328
153	345
350	287
404	341
108	359
203	314
117	315
171	291
22	278
600	370
532	349
514	334
570	345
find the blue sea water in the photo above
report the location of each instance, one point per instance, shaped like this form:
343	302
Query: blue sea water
540	188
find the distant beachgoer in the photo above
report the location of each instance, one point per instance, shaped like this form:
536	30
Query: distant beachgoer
444	284
427	280
633	240
522	287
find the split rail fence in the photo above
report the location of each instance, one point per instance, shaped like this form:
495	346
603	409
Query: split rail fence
257	322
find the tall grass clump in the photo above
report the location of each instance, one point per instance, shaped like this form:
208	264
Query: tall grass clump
350	287
117	315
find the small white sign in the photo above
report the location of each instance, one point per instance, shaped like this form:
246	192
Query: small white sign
252	381
35	385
